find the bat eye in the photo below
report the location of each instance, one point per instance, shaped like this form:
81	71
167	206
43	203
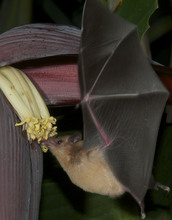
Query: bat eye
59	142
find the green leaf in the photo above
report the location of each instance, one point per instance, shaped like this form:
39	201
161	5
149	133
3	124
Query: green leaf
113	4
15	13
138	12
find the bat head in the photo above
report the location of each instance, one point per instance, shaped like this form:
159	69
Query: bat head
63	147
63	141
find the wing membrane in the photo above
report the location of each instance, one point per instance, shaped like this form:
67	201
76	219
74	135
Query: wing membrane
122	97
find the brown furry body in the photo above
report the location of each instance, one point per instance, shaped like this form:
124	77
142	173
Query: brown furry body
86	168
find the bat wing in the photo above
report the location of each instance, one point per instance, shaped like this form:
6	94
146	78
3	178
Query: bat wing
122	98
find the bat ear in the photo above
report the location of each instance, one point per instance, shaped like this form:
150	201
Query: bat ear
75	138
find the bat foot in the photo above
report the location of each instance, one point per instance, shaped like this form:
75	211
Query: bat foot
156	185
160	186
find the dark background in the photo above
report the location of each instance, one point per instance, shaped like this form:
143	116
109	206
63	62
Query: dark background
58	193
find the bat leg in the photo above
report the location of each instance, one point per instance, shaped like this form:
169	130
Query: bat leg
156	185
160	186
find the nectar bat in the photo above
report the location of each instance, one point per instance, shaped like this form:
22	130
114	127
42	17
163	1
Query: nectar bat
122	98
122	101
86	168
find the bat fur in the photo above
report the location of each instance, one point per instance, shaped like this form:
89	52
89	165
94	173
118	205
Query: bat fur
86	168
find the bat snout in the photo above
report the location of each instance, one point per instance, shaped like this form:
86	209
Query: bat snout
51	142
75	138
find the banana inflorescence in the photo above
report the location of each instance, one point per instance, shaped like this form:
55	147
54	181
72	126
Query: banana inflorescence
28	104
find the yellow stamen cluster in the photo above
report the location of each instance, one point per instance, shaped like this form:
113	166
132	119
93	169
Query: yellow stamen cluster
40	129
28	104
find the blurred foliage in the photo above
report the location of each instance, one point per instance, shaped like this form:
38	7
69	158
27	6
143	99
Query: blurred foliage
60	198
160	33
14	13
17	12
